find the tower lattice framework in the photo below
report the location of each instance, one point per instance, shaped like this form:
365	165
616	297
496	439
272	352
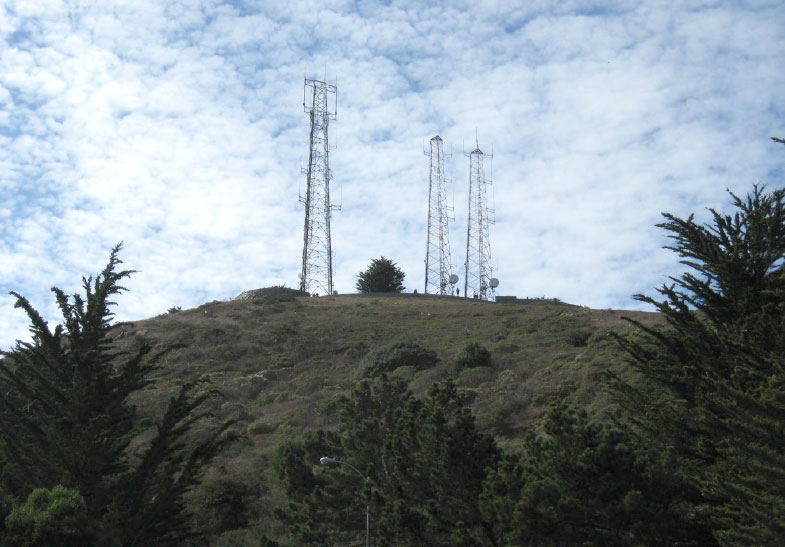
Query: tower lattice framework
479	272
317	271
438	263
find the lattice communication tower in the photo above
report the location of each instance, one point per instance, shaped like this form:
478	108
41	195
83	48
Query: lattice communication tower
317	273
438	264
479	281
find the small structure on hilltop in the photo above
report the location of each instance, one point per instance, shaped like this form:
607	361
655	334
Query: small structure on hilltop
278	290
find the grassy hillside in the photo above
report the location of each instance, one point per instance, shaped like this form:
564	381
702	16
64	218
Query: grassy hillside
280	361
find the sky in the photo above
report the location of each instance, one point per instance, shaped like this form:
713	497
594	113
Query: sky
178	129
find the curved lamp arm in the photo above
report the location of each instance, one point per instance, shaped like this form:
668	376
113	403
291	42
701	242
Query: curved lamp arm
324	460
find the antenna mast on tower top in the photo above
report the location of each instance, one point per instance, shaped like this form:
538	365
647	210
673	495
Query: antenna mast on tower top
317	272
479	273
438	266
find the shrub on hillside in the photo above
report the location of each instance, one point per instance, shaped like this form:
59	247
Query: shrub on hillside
473	355
49	517
579	337
386	359
475	376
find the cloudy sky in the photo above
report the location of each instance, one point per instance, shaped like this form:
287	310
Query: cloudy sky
178	128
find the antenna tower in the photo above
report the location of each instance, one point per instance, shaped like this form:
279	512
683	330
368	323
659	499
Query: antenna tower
317	273
479	272
438	264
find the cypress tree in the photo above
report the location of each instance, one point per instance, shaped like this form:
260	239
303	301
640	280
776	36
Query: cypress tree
712	379
66	421
584	483
382	275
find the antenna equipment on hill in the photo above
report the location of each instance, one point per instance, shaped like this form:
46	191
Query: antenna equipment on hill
317	273
438	264
479	272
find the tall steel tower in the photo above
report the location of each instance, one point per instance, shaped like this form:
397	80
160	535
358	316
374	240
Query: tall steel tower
317	273
438	264
479	281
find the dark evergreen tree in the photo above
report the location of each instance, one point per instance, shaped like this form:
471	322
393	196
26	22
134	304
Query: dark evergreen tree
382	275
424	460
585	483
712	380
66	421
434	464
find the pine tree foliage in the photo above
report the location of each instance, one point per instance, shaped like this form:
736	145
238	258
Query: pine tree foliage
583	483
424	460
712	388
382	275
65	419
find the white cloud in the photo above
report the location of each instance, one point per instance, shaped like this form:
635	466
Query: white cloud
178	128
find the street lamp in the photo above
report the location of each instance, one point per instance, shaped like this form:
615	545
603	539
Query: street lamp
331	462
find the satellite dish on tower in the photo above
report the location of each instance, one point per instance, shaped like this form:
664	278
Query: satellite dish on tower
453	279
494	282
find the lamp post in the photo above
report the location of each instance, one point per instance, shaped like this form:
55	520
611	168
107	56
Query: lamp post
331	462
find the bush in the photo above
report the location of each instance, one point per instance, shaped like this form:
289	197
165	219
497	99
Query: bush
386	359
473	355
405	373
49	517
475	376
261	428
579	337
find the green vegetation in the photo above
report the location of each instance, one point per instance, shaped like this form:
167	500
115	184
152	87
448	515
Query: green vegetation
386	359
382	275
693	455
67	463
473	355
49	517
464	423
584	483
424	459
714	377
284	363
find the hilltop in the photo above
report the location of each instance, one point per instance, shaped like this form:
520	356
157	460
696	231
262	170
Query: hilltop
280	360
